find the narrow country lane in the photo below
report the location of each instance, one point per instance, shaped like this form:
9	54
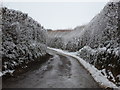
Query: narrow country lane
60	71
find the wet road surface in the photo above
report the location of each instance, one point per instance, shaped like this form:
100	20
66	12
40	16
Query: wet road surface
60	71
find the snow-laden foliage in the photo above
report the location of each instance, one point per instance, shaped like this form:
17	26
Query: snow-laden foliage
56	42
102	34
103	30
68	39
107	60
23	39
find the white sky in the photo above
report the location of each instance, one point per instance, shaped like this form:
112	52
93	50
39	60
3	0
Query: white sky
59	15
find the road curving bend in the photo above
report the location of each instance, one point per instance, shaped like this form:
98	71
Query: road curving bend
60	71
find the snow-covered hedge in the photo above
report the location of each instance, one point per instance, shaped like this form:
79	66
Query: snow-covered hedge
104	30
67	40
55	42
104	59
23	39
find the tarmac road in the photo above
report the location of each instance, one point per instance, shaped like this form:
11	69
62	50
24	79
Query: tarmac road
60	71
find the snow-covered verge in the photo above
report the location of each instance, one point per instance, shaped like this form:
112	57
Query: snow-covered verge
105	59
23	39
96	74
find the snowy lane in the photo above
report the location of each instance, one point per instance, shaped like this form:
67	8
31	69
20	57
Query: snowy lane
61	71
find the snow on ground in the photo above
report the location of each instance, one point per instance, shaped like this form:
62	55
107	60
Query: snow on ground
96	74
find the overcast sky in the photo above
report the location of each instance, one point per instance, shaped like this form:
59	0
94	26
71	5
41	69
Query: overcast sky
59	15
